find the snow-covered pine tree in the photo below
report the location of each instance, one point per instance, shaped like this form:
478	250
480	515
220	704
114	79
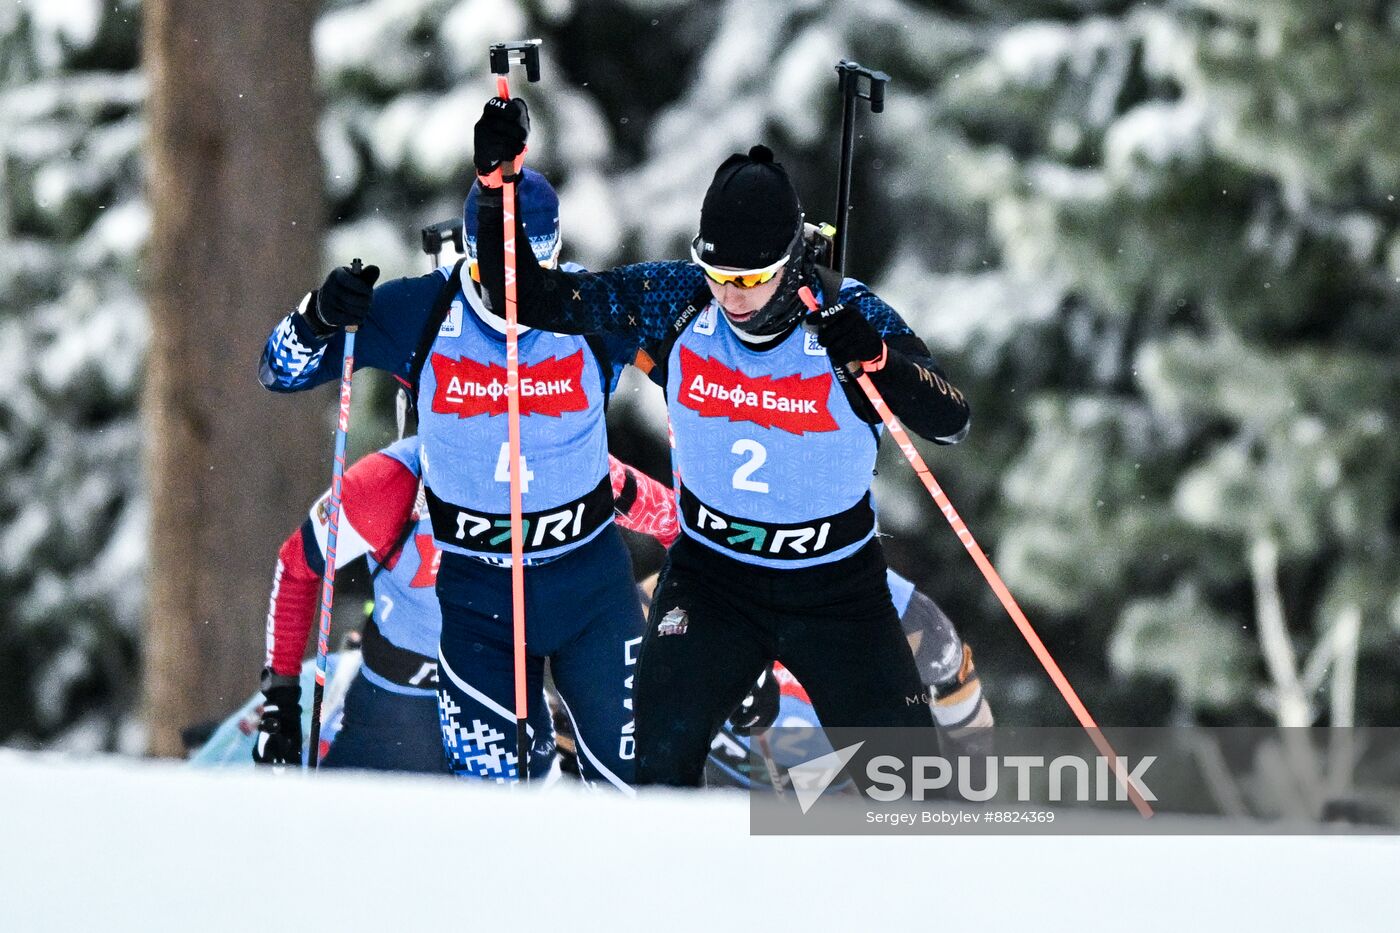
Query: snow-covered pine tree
72	330
402	81
1207	482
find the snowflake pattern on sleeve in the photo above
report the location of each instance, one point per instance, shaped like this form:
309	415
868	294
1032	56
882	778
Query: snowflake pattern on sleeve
642	299
288	362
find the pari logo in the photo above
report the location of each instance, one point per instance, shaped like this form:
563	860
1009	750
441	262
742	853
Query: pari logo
563	526
466	388
791	403
1027	778
793	540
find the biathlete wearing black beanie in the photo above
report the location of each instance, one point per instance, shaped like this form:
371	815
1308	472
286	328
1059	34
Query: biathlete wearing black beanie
751	219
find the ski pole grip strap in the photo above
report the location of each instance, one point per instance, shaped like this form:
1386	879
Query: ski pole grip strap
497	177
877	364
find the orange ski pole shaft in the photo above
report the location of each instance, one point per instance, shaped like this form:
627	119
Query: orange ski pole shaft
993	578
517	537
501	57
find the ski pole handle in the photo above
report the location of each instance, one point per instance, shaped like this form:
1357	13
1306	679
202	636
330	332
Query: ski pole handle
503	54
851	73
355	268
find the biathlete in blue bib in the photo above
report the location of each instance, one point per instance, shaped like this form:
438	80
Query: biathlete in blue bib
773	452
435	334
390	720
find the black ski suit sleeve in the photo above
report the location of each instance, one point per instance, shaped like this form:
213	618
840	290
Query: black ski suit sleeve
919	394
910	382
638	303
540	293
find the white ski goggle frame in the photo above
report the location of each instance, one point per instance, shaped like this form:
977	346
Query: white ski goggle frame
741	278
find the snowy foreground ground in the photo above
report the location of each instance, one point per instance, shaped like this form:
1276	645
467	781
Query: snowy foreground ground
115	844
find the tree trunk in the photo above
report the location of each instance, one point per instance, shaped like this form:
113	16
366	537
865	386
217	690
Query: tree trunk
235	191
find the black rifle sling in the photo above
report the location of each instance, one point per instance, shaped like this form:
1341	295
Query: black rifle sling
441	305
599	348
392	554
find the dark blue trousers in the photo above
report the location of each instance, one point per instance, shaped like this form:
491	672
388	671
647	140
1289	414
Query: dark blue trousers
582	613
387	731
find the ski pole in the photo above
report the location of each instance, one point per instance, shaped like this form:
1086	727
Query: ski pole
775	776
502	55
342	428
432	237
850	73
435	235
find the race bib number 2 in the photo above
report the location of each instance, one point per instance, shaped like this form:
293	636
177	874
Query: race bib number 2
743	476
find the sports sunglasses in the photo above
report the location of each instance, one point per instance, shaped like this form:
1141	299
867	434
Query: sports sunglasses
746	278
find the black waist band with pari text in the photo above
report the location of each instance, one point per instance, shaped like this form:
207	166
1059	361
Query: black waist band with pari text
800	541
488	532
395	664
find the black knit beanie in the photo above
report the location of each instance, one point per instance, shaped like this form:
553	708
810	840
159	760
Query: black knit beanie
751	213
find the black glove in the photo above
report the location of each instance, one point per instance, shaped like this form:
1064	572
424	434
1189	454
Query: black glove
846	334
759	709
342	301
279	732
500	134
